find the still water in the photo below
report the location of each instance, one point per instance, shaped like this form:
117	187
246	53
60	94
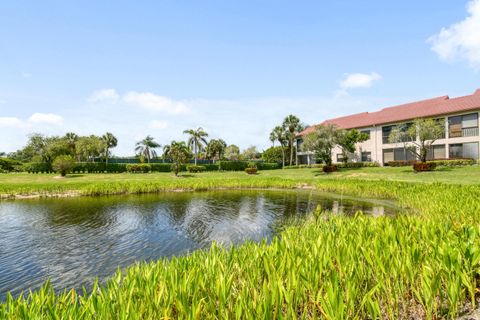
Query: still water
73	240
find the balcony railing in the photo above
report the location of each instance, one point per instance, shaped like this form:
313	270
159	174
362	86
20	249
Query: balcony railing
463	132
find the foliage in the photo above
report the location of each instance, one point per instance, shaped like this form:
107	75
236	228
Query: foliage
453	162
292	126
322	141
232	165
179	154
89	148
216	149
232	153
275	154
10	165
196	169
424	166
358	165
251	170
138	168
268	166
419	137
329	168
251	153
109	142
63	164
278	134
146	148
347	140
196	141
419	265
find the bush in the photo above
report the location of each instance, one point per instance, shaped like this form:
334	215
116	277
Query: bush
195	169
453	162
358	165
424	166
139	168
251	170
232	165
161	167
269	166
328	169
38	167
11	165
63	165
304	166
401	163
211	167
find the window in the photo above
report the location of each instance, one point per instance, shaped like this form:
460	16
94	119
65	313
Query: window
367	132
386	133
339	157
366	157
465	150
299	144
463	126
436	152
388	129
398	154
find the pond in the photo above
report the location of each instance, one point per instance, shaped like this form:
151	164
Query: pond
71	241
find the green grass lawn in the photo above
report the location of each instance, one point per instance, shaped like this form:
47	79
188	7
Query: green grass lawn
23	183
423	264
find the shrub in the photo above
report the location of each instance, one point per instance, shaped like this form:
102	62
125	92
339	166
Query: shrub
195	169
63	165
268	166
161	167
38	167
424	166
211	167
358	165
453	162
232	165
139	168
251	170
401	163
328	169
11	165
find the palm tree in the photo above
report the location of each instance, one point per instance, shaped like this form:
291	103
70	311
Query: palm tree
272	138
147	147
110	141
72	139
292	126
179	153
196	141
278	133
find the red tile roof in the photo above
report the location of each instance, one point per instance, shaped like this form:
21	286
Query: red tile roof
425	108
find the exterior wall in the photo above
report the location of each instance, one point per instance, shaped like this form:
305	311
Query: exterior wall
376	146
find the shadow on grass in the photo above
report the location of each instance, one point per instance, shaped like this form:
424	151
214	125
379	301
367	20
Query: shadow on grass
75	175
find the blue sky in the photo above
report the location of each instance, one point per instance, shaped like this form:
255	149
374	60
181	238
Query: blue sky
235	68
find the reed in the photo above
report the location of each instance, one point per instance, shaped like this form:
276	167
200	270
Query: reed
423	264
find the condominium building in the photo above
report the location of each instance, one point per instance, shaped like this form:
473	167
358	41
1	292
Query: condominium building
460	140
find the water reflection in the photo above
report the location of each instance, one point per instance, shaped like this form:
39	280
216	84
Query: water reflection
73	240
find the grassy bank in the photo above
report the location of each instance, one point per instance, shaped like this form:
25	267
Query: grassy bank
12	185
422	265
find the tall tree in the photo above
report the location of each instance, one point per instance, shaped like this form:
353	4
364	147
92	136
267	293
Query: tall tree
419	137
322	141
251	153
196	141
71	139
215	149
280	135
347	140
232	152
146	147
178	153
88	148
110	142
292	126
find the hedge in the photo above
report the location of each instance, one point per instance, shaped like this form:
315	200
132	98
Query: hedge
357	165
38	167
268	166
232	165
195	169
10	165
138	168
438	162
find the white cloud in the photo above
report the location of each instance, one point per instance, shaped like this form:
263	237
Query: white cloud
46	118
104	95
460	41
359	80
156	124
10	122
153	102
